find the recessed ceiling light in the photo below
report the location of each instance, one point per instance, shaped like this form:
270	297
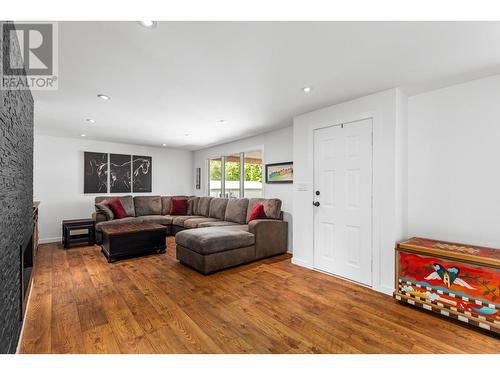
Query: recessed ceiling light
90	120
164	144
222	122
82	135
187	135
148	24
307	89
103	97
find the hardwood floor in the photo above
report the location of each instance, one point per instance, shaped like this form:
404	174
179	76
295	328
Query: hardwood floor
153	304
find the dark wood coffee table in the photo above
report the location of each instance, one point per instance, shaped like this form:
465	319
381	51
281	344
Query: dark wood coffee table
126	240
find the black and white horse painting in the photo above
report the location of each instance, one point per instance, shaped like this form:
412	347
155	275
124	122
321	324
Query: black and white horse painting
95	173
141	174
120	173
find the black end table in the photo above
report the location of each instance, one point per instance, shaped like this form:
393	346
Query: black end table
81	238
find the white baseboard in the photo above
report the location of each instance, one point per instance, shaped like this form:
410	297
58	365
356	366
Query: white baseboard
49	240
378	288
384	289
299	262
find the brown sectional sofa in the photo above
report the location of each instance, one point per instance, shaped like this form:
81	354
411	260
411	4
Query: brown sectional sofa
214	234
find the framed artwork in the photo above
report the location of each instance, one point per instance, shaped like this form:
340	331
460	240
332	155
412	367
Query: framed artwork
198	178
95	171
279	173
142	174
119	173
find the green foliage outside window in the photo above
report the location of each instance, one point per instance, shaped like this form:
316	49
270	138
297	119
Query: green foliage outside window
232	171
215	166
253	172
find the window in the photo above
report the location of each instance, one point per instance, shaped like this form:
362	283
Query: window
228	179
253	174
215	183
232	167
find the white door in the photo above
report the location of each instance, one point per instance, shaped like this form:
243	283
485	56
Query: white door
343	200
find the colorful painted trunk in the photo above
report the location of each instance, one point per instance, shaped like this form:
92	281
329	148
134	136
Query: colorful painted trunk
454	280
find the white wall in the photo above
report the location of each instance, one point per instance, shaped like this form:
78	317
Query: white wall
58	177
277	147
401	166
454	158
387	109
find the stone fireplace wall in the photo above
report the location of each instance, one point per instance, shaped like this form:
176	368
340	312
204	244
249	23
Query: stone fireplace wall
16	201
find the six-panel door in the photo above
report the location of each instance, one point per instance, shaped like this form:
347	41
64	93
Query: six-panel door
343	218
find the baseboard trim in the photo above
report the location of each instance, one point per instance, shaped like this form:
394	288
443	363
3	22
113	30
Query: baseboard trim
378	288
49	240
301	263
384	289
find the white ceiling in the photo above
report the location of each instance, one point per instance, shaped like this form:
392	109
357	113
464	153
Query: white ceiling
183	77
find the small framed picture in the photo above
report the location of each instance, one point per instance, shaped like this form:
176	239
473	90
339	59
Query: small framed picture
279	173
198	178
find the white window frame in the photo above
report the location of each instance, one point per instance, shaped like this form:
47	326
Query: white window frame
242	170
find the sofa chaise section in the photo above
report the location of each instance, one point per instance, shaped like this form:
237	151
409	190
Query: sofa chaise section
217	245
210	249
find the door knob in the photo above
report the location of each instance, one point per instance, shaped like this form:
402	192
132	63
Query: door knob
316	204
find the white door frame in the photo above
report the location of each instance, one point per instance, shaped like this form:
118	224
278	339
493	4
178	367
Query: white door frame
387	109
377	193
372	195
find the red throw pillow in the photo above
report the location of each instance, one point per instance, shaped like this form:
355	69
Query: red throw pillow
257	213
116	206
179	207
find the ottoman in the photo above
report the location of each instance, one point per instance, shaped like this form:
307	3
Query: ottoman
208	250
125	240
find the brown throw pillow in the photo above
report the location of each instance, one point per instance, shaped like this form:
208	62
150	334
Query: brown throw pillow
102	208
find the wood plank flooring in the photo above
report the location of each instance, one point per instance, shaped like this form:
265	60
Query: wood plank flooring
153	304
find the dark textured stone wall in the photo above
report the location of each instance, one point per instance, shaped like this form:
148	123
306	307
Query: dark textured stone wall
16	201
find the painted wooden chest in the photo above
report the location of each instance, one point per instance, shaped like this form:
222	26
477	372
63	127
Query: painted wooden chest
455	280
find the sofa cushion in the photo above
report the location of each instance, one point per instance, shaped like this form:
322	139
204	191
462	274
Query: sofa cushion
213	240
224	224
179	220
272	207
216	224
127	203
218	208
203	207
156	219
179	206
126	220
167	201
170	217
243	227
236	210
194	222
147	205
98	217
192	205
